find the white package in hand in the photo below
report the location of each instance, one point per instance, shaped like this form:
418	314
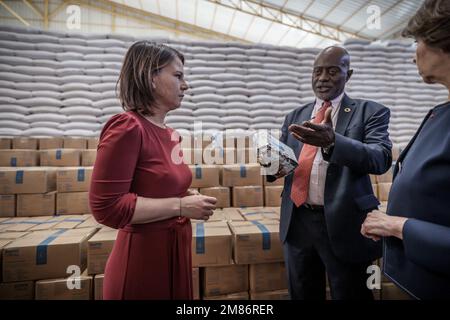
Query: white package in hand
275	157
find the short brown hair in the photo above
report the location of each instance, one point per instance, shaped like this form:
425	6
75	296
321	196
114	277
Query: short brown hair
431	24
143	60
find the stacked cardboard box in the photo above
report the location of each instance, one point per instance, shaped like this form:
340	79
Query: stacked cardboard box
7	205
256	241
19	158
45	254
224	280
73	185
211	244
75	287
99	249
27	180
60	157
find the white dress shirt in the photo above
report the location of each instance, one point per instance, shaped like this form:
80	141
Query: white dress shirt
320	166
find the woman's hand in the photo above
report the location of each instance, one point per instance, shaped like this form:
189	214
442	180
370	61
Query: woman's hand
378	224
198	206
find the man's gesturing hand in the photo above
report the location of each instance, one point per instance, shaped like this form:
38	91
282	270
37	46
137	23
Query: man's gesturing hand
319	135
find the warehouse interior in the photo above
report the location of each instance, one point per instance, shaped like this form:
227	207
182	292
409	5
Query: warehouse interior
248	63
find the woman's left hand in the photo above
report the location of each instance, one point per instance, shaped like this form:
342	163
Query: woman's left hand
378	224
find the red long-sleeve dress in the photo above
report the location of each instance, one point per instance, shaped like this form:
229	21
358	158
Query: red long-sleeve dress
153	260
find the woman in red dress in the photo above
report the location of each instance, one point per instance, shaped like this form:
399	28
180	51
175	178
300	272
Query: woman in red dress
140	185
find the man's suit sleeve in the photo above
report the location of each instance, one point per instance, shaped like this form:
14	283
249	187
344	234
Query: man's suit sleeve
428	245
283	138
373	155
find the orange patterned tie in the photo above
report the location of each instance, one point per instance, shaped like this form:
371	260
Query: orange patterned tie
302	174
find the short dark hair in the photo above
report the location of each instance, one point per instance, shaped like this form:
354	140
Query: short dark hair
431	24
143	60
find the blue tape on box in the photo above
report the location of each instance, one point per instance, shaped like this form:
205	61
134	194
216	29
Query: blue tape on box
58	154
19	176
41	249
243	171
13	162
200	242
81	175
198	172
265	234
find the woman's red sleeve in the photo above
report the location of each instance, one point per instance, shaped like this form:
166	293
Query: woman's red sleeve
110	199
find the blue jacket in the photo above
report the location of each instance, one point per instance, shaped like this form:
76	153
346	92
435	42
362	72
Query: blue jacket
362	147
420	264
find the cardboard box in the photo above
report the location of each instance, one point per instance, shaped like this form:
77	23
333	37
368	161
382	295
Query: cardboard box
278	182
90	222
387	177
98	286
3	243
48	224
258	213
270	295
72	203
373	178
50	143
92	143
272	196
88	157
70	221
7	205
61	157
375	189
241	175
219	156
390	291
267	277
99	249
196	283
74	143
256	241
222	194
396	150
224	280
232	214
225	214
11	235
19	158
59	289
230	296
39	204
192	156
73	179
204	176
45	254
23	290
211	244
383	191
383	206
22	224
248	196
5	143
27	180
246	156
24	143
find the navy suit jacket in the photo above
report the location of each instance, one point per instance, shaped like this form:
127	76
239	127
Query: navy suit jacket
362	147
420	264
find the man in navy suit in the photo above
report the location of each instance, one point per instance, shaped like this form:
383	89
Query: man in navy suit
339	141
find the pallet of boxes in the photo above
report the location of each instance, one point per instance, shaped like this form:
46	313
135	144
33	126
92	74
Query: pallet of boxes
45	222
237	254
